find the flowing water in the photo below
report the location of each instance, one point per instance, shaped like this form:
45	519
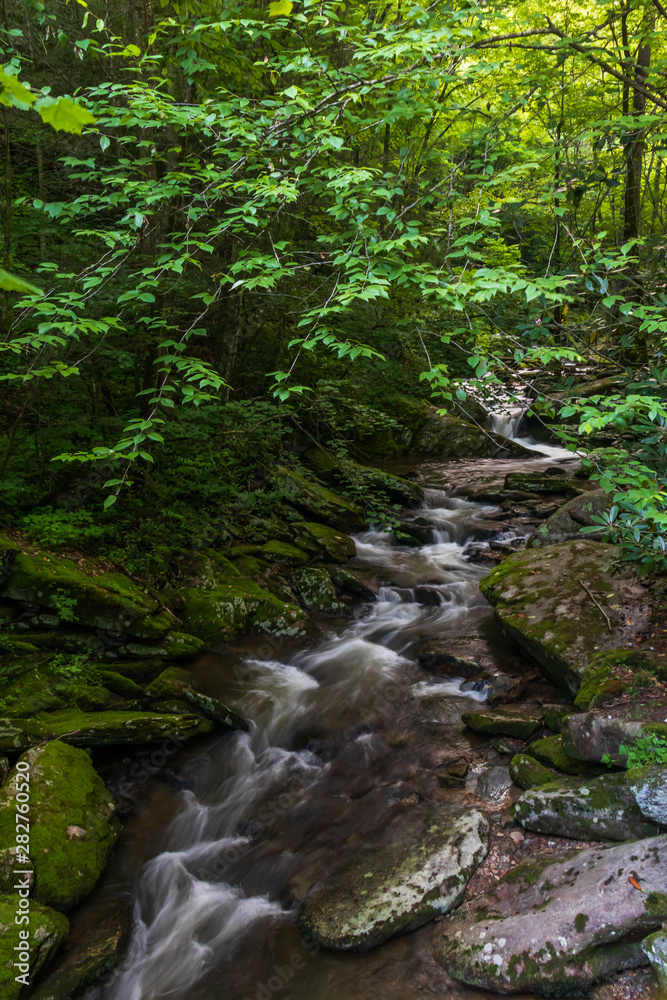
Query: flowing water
346	735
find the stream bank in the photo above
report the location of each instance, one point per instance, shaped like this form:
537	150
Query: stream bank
347	739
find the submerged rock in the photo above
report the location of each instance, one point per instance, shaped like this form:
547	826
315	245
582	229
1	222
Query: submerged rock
540	599
420	874
519	721
554	927
603	808
45	934
73	826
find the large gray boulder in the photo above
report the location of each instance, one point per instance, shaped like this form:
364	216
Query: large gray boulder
566	524
649	785
418	874
546	598
591	736
554	927
603	808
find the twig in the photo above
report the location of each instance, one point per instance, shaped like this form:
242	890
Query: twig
597	605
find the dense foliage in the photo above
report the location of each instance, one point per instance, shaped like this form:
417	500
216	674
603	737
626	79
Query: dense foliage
220	206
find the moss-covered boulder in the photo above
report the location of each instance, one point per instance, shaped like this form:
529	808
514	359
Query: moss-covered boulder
99	729
526	772
588	736
518	721
419	874
80	592
550	751
610	673
73	826
450	437
27	948
283	554
316	502
91	953
566	524
603	808
124	687
315	588
223	612
655	948
215	710
553	928
172	682
546	598
553	715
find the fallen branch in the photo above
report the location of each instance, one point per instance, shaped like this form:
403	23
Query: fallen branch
597	605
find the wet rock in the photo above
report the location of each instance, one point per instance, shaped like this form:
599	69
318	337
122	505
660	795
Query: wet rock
518	721
649	786
315	588
500	688
492	782
526	772
99	729
420	529
538	597
65	793
215	710
338	546
533	483
555	927
418	875
353	583
506	746
567	522
550	751
90	955
655	948
449	437
44	935
589	736
553	715
81	593
433	656
603	808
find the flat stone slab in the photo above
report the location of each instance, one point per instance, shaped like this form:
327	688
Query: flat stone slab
519	722
603	808
542	598
99	729
555	927
420	874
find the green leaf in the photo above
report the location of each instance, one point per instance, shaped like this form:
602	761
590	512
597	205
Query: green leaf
280	8
110	501
13	93
10	283
63	115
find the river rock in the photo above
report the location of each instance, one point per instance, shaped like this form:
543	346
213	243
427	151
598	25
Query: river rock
553	715
73	826
499	688
603	808
215	710
526	772
649	786
491	782
655	948
91	954
419	874
518	721
338	546
589	736
550	751
534	483
566	524
554	927
315	588
81	593
538	597
316	502
46	932
99	729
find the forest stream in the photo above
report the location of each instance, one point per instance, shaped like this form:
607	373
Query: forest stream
347	734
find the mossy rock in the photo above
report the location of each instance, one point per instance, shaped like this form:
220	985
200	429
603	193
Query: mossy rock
601	682
31	693
449	437
216	710
588	736
655	948
553	715
649	787
566	524
99	729
603	808
532	483
315	588
91	954
316	502
519	723
120	685
538	598
338	546
283	553
82	593
181	646
526	772
173	682
550	751
73	826
140	671
222	613
46	932
172	706
9	864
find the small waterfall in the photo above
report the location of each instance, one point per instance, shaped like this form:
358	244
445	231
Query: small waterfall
506	419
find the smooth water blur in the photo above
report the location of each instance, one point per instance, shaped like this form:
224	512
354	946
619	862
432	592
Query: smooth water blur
341	736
